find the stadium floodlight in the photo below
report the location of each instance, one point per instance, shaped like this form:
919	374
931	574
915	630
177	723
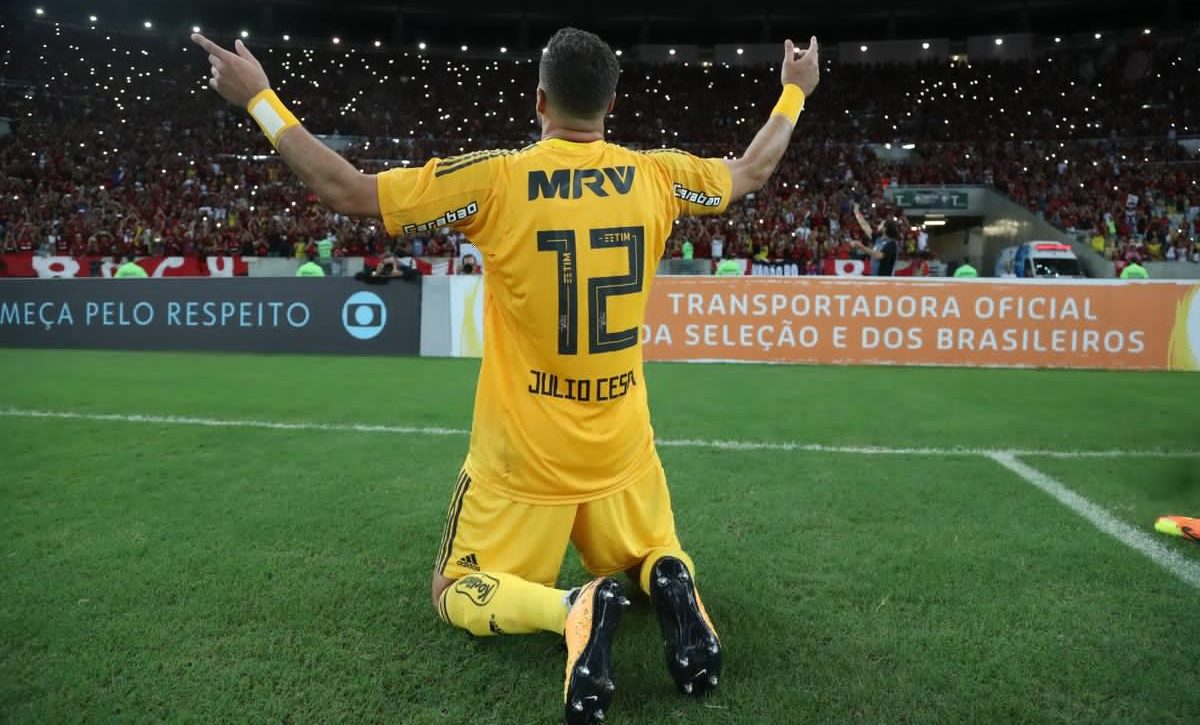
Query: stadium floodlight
337	40
1097	36
925	45
39	12
619	52
147	25
286	37
999	41
862	49
421	45
671	51
245	34
195	28
378	43
741	51
909	146
1145	31
503	49
92	18
463	48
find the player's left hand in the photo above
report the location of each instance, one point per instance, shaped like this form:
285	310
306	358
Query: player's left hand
239	76
803	69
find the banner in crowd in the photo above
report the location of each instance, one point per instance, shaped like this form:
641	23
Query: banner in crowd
27	264
845	267
829	266
1139	325
300	315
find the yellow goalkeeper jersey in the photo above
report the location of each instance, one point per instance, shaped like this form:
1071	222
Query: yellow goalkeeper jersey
571	234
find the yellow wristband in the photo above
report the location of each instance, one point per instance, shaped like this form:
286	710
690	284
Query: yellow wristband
791	103
271	115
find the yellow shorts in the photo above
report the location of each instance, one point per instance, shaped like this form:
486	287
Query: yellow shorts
487	532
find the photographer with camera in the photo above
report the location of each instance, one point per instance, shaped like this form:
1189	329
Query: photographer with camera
389	267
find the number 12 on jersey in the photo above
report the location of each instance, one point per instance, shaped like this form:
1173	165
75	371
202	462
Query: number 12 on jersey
600	338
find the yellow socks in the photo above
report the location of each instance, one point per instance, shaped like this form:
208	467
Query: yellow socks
652	559
487	604
490	603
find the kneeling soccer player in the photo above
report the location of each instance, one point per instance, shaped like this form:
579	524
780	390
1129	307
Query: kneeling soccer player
572	228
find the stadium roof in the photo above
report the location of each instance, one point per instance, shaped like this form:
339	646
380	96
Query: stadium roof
525	23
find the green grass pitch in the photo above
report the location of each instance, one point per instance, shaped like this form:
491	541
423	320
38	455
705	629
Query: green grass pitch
155	571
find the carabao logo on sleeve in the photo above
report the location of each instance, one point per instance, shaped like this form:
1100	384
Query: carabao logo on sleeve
364	315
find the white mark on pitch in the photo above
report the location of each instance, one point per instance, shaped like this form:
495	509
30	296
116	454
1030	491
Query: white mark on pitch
1186	569
727	445
220	423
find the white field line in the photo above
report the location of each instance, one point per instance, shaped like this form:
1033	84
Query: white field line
713	444
1185	569
221	423
735	445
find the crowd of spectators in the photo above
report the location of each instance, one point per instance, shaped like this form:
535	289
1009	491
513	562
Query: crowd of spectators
117	146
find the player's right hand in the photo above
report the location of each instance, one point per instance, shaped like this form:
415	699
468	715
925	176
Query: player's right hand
239	76
804	69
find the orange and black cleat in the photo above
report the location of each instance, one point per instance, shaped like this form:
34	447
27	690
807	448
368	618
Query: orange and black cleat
591	623
1183	526
689	639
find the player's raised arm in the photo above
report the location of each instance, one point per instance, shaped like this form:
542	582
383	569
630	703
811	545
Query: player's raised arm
800	75
240	79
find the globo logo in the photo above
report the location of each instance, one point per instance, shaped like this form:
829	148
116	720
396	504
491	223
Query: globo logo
364	315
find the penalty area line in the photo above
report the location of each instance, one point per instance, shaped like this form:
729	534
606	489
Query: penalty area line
704	443
1184	569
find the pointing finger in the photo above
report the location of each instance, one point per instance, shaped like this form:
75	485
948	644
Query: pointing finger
208	45
789	51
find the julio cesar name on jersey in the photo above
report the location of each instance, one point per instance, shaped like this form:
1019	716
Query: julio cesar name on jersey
584	390
571	184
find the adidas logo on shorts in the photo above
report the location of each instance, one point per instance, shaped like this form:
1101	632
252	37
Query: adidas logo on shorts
469	562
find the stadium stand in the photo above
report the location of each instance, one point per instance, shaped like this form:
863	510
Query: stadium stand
117	146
